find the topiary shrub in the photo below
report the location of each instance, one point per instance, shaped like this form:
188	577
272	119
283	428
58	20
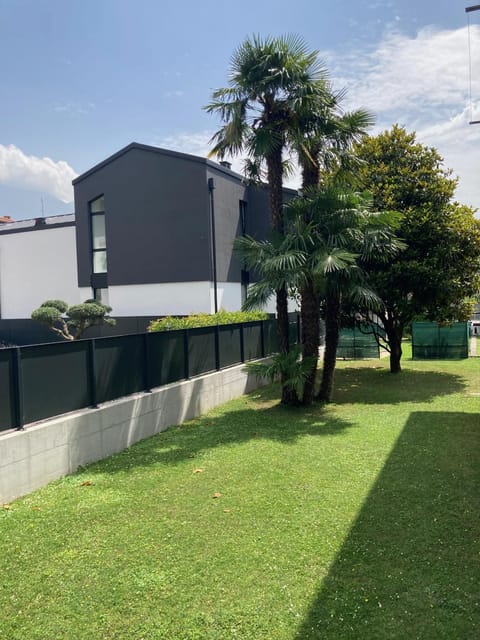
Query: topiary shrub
70	323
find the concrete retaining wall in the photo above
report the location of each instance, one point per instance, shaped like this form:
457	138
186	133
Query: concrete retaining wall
54	448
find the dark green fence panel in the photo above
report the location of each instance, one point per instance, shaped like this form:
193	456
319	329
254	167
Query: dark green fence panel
293	328
201	350
270	336
166	356
119	366
55	379
433	342
7	395
230	345
356	345
46	380
252	340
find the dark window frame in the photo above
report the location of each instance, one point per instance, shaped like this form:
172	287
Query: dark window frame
93	250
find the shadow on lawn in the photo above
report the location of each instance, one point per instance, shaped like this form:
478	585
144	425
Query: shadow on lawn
409	567
379	386
266	421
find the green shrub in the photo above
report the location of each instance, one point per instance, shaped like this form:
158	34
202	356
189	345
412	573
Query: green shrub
205	320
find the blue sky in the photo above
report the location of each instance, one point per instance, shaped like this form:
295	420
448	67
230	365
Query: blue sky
81	79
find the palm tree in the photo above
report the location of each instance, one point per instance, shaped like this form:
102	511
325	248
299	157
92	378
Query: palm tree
272	82
324	147
330	237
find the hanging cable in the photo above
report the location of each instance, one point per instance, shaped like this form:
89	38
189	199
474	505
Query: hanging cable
470	68
468	10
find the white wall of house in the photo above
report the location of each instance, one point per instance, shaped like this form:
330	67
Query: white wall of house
175	298
229	296
163	299
35	266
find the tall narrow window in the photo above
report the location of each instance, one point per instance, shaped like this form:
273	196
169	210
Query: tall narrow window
99	243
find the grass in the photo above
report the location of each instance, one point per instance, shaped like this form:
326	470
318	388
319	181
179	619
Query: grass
358	521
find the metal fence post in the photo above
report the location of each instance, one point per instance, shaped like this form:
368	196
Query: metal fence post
146	365
262	338
242	344
186	363
18	389
91	373
217	347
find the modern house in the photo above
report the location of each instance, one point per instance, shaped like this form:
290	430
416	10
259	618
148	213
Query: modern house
152	235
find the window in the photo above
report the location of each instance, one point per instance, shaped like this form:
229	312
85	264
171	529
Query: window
98	237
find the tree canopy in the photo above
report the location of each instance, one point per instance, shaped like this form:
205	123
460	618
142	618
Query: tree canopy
274	83
438	274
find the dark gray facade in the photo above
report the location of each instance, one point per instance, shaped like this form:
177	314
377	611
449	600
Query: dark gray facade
157	217
159	208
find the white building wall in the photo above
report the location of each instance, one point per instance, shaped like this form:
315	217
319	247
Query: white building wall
229	296
36	266
162	299
174	298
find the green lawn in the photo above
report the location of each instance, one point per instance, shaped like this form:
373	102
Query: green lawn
358	521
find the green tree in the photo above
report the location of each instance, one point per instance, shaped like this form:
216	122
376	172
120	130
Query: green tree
330	237
324	147
70	323
439	272
273	82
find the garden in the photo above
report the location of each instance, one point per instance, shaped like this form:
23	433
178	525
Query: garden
356	519
344	507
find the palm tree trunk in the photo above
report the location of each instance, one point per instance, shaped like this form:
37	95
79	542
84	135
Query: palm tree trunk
332	332
275	170
394	332
310	168
310	305
310	315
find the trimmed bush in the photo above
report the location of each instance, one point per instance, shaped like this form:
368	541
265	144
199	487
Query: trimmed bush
205	320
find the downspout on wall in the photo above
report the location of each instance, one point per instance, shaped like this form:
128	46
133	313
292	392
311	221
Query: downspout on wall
211	188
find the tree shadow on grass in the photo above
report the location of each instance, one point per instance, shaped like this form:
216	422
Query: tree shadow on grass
378	386
409	567
266	420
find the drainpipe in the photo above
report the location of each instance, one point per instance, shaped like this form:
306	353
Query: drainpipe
211	187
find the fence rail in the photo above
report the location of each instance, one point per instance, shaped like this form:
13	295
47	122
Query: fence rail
45	380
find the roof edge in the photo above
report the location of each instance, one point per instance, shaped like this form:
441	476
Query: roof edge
168	152
142	147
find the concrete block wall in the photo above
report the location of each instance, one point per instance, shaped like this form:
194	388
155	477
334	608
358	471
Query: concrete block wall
54	448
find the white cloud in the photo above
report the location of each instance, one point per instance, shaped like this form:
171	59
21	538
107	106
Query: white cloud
173	94
401	73
74	108
422	83
39	174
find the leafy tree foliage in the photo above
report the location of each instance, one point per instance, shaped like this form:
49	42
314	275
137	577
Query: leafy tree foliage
331	236
70	323
324	149
274	82
438	275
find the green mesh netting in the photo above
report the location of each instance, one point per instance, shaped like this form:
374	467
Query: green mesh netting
433	342
357	345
